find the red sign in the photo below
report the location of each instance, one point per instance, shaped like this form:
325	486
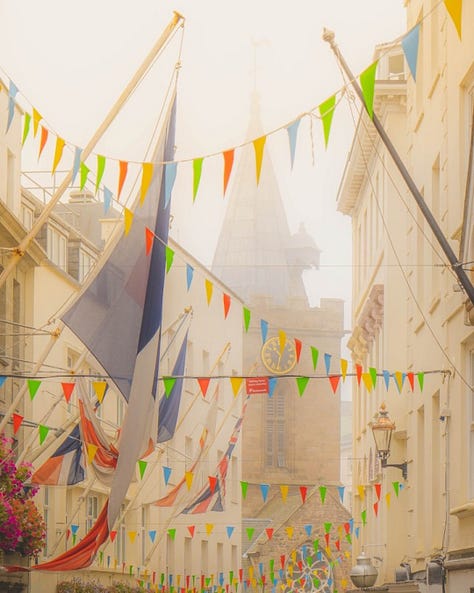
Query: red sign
255	385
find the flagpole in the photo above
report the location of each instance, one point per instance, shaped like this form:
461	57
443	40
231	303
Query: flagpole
20	250
456	265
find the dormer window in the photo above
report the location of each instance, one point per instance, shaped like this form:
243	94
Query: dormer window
56	247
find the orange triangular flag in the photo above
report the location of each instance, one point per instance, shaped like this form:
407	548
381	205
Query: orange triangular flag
123	168
334	380
67	390
298	349
258	145
209	288
204	384
17	420
358	373
58	152
269	532
226	300
149	238
376	508
228	162
212	483
43	140
411	380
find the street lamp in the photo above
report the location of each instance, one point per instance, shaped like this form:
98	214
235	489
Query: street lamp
363	574
382	430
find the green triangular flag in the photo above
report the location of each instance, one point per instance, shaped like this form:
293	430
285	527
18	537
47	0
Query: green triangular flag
197	169
169	384
231	576
327	527
316	545
84	173
367	83
316	582
244	486
43	433
26	127
272	564
100	170
322	493
302	382
250	531
315	355
142	467
326	110
363	516
172	533
349	538
169	258
421	380
373	375
246	319
396	487
33	386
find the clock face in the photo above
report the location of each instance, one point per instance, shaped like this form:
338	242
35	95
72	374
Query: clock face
275	360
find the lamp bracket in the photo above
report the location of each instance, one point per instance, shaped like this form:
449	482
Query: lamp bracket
403	467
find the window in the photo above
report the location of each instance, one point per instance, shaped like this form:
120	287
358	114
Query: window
188	555
275	431
16	317
86	263
27	216
92	511
56	247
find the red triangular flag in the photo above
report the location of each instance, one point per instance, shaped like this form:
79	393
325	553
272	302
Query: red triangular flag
359	373
300	565
269	532
204	384
113	535
298	349
334	380
282	560
67	390
226	299
411	379
17	420
212	483
191	529
378	490
376	508
326	537
303	491
228	162
149	237
338	544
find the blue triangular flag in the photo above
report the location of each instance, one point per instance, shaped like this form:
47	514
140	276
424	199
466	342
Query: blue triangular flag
292	130
230	531
264	329
304	551
410	47
74	529
386	378
152	535
189	275
170	177
341	489
351	523
12	91
356	531
77	163
327	362
308	529
260	568
166	474
264	488
2	380
107	199
221	578
272	381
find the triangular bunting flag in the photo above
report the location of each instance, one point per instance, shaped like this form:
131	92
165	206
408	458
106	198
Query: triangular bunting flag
172	533
411	380
334	380
344	365
67	390
367	379
37	117
91	452
367	83
246	313
212	483
17	420
142	467
386	378
43	140
77	163
33	386
264	329
152	535
204	384
396	488
264	488
26	127
341	489
58	153
209	289
272	381
289	530
170	178
361	491
166	474
168	383
189	276
363	516
244	486
259	145
378	490
107	199
322	493
43	433
226	302
421	380
298	346
327	363
308	528
302	382
100	388
228	162
376	508
113	535
292	130
188	476
236	383
454	7
315	356
197	170
128	219
284	492
191	529
326	110
358	373
147	175
169	255
149	238
410	44
100	171
373	376
250	531
269	532
123	168
387	499
84	169
230	531
303	492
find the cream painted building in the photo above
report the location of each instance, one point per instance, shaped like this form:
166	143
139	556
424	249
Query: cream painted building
152	544
409	313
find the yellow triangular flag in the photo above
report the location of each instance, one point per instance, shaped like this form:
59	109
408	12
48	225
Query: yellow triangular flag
454	7
37	117
236	382
284	492
189	479
258	145
361	492
387	499
209	528
99	389
293	555
128	219
58	152
132	535
343	368
91	451
147	174
366	377
289	531
399	379
209	288
282	337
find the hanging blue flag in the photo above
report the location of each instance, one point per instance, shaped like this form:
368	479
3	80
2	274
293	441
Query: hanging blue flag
264	329
351	523
264	488
2	380
107	199
327	362
410	44
189	275
152	535
308	529
341	489
230	531
272	381
386	378
356	531
12	91
166	474
292	130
